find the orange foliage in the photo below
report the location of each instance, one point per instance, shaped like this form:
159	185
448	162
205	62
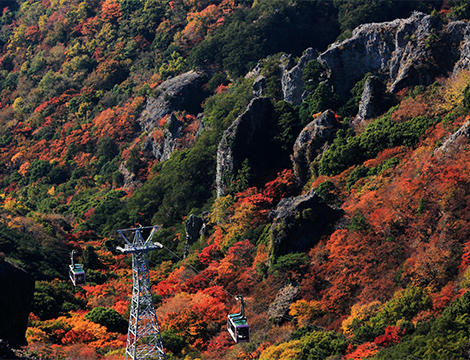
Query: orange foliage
173	284
111	11
117	123
362	351
187	324
411	108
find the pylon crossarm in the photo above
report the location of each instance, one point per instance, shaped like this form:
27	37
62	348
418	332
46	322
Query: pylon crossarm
130	249
137	233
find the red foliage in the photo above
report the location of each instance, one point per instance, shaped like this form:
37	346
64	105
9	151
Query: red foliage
393	335
218	345
441	300
362	351
74	336
210	253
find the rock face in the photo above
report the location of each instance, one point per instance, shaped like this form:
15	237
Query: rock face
259	86
16	296
292	83
371	100
309	141
193	226
279	308
246	138
403	52
172	132
184	93
298	222
464	130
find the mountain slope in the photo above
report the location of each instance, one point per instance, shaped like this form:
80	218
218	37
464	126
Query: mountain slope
104	126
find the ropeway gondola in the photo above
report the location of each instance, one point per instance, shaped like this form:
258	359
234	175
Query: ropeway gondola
237	325
76	272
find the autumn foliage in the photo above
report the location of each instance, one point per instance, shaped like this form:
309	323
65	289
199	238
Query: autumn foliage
78	161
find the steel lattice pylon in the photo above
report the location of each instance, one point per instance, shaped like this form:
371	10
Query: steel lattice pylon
144	340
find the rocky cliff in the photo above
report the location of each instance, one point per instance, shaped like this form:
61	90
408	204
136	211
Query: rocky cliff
246	138
298	222
292	82
16	296
403	52
310	142
183	94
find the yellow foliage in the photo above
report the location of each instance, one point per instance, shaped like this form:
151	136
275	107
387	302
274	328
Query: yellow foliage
239	222
453	90
14	205
220	207
291	350
34	334
361	313
465	282
18	104
306	311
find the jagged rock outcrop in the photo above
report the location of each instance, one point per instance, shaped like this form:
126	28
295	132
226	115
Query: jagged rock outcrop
371	100
130	181
184	93
298	222
16	296
404	52
279	308
458	33
193	227
309	142
246	138
464	130
259	86
292	83
172	132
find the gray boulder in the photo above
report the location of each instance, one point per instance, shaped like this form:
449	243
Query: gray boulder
184	93
309	142
298	222
292	83
172	133
371	100
404	52
279	308
246	138
259	86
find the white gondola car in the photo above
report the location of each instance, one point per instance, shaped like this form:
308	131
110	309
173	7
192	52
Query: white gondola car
237	325
76	272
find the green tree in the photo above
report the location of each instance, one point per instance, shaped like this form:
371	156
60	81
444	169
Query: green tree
90	259
38	169
53	299
108	317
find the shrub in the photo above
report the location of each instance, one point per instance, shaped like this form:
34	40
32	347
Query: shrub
108	317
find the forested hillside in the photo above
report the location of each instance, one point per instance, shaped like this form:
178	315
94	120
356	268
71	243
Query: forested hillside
321	172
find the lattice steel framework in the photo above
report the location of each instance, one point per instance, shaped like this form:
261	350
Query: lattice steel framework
144	340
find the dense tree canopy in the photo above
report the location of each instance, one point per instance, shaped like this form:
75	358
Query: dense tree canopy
76	164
